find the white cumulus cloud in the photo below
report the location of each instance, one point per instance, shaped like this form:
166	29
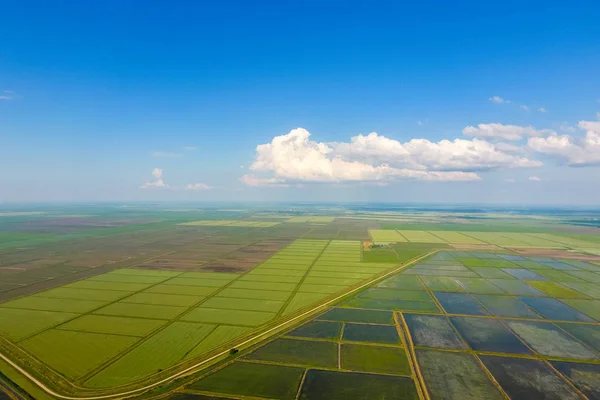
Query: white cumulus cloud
498	100
294	158
505	132
575	151
158	182
198	186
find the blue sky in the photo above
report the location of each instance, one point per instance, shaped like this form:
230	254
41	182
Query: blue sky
96	96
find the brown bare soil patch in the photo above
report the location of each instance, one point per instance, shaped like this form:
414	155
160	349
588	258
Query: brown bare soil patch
227	266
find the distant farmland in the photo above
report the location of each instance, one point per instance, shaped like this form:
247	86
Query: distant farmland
304	307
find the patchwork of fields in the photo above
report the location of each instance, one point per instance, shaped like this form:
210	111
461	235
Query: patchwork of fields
247	224
501	239
128	324
109	305
458	325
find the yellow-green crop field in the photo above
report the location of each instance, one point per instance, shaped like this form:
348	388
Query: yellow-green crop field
129	324
502	239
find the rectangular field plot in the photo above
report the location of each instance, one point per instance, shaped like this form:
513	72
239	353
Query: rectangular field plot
256	380
17	324
194	291
587	276
162	299
524	274
591	308
285	287
516	288
442	284
161	351
406	282
276	271
455	376
528	379
333	385
588	334
318	330
218	337
555	310
586	377
298	352
83	294
120	278
243	304
491	273
51	304
271	278
393	294
231	317
113	286
589	289
456	237
554	289
548	340
141	311
371	333
459	303
557	276
145	272
254	294
213	283
484	334
433	331
505	306
217	276
74	354
388	360
325	289
392	304
386	236
353	315
421	237
477	285
564	241
113	325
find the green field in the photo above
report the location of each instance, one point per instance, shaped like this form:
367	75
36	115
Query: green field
114	310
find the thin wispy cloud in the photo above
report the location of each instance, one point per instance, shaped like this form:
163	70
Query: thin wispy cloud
535	178
198	186
524	107
542	110
565	127
6	95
